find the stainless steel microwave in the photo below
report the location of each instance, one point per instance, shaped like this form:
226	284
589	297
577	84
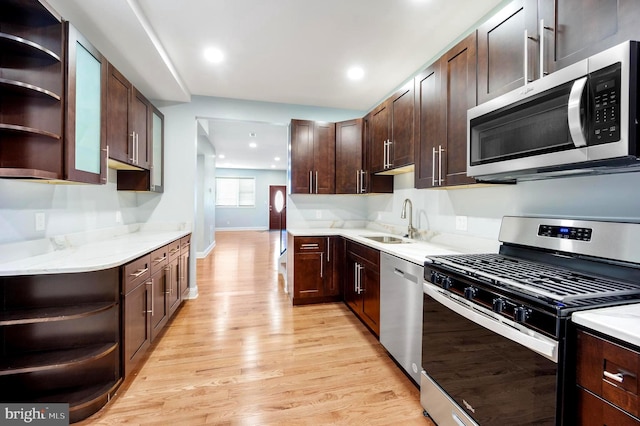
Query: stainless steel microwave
580	119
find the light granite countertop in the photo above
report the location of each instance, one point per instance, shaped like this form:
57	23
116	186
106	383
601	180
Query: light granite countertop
413	251
621	322
85	252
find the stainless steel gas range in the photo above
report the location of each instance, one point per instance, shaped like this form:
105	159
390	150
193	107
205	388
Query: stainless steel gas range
497	346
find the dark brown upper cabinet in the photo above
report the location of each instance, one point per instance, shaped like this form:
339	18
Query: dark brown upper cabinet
508	49
127	124
391	134
85	124
313	157
577	29
445	91
353	174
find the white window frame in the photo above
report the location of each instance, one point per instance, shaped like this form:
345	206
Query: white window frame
235	192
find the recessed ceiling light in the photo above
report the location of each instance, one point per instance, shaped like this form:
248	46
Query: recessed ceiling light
213	55
355	73
252	134
277	158
221	156
253	145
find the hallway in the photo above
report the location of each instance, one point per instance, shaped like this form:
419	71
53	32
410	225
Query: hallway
242	354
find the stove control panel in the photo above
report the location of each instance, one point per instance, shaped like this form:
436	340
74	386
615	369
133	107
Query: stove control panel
565	232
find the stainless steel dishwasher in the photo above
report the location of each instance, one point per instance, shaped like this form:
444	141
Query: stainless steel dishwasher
401	312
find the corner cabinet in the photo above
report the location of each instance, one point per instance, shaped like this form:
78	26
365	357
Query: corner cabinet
362	284
315	271
313	146
61	339
391	137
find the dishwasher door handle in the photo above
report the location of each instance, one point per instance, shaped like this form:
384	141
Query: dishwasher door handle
398	272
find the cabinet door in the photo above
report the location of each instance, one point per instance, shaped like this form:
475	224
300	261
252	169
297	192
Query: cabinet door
173	284
577	29
459	94
159	306
349	157
185	247
157	150
429	126
352	276
324	158
85	132
119	93
379	136
140	125
371	297
503	48
301	156
334	266
137	326
402	109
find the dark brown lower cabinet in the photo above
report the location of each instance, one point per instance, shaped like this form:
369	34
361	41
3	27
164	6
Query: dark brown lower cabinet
183	266
61	339
362	284
607	381
314	274
159	290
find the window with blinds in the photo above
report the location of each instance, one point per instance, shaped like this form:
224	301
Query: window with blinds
235	192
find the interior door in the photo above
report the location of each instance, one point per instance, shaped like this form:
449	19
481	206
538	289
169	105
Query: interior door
277	207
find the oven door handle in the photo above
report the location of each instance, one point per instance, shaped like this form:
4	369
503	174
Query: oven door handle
573	113
545	347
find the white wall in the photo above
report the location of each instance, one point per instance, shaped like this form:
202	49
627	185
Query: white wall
256	217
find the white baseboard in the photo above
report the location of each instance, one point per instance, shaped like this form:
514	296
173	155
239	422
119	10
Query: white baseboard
208	250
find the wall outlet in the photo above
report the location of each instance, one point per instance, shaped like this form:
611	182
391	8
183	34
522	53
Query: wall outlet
40	221
318	214
461	223
118	216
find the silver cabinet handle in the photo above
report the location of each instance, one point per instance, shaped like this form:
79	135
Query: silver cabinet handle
384	155
160	259
150	283
321	265
356	277
137	152
440	151
357	181
618	377
309	246
328	250
542	28
363	188
433	166
573	112
310	182
139	272
360	268
316	181
389	162
133	148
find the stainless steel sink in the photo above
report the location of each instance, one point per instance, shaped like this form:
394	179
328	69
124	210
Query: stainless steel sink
385	239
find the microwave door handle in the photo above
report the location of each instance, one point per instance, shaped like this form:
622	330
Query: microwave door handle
573	113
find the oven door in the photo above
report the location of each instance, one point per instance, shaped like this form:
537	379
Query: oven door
479	368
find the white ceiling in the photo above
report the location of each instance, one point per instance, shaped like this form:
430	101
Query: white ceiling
289	51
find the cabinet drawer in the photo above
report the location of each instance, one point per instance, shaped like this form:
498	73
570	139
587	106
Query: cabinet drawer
174	249
367	253
159	259
309	244
609	371
185	243
136	273
593	411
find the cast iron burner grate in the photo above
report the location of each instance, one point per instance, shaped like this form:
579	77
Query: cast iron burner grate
538	279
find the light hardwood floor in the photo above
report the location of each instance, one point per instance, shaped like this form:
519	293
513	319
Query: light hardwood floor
242	354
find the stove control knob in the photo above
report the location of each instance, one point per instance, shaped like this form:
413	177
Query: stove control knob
470	292
499	305
521	314
434	277
446	282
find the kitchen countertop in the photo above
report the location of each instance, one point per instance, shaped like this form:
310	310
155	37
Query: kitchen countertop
86	252
413	251
621	322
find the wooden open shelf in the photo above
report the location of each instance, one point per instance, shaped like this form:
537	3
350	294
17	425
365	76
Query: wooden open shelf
25	129
11	44
13	173
26	89
49	360
58	313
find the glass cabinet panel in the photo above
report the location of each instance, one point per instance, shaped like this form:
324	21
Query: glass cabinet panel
157	124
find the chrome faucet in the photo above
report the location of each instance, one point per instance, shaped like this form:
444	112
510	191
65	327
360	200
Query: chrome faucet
403	215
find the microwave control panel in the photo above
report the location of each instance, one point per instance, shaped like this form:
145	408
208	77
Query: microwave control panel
605	89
